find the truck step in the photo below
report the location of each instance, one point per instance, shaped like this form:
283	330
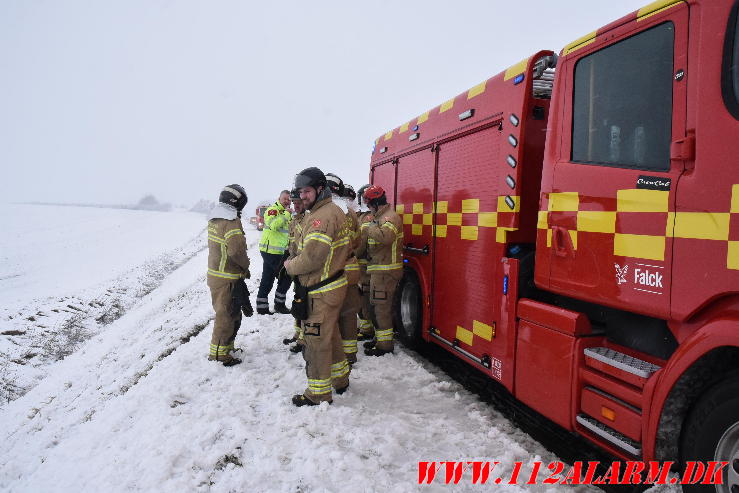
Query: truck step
628	368
610	435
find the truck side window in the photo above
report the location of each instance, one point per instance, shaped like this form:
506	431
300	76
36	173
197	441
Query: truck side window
622	108
730	76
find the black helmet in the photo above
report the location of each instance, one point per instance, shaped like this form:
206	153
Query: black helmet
233	195
335	183
349	192
360	192
294	194
310	177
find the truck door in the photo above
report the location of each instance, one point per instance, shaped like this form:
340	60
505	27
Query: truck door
384	175
613	187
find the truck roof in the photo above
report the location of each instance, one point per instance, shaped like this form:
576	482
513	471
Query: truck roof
484	103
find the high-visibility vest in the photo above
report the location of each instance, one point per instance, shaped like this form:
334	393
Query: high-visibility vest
275	234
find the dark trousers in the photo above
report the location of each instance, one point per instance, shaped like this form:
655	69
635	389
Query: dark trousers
269	271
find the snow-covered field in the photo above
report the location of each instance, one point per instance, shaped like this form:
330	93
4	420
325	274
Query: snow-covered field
132	403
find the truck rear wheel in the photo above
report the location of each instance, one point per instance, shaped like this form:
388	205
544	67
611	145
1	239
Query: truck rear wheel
712	434
408	313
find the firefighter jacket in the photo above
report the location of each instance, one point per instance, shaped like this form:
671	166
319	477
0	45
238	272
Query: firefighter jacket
383	240
323	252
227	258
361	250
350	229
295	233
274	237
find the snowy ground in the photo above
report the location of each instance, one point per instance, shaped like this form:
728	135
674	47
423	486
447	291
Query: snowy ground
135	405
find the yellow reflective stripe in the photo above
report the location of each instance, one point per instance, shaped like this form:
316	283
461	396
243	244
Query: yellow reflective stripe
224	257
372	241
351	267
350	346
339	370
391	226
317	237
217	239
233	232
363	261
220	350
384	335
365	324
266	247
224	275
322	386
371	268
331	286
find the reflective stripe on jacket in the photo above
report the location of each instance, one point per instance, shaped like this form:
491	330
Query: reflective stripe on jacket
275	233
383	238
227	258
322	251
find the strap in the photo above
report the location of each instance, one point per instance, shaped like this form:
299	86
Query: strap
326	281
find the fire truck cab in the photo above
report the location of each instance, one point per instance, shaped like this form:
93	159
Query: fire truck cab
571	230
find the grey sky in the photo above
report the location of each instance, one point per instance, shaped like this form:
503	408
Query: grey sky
103	101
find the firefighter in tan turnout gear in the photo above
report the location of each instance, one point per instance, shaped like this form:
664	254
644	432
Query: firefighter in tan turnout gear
319	267
352	300
383	237
366	331
228	266
295	235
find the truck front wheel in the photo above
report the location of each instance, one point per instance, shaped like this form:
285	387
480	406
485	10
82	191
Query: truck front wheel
712	434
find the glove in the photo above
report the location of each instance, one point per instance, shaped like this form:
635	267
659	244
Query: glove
240	300
246	307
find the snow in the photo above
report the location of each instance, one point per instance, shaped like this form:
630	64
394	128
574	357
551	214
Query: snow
137	405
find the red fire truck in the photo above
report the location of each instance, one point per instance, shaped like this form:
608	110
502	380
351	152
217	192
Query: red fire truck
260	216
571	230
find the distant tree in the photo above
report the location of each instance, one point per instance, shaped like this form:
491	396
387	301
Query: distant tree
150	203
203	206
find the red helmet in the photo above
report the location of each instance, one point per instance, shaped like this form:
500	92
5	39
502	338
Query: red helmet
373	192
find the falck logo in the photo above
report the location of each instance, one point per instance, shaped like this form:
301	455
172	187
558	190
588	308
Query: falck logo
621	273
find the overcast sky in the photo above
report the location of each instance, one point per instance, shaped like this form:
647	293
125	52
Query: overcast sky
104	101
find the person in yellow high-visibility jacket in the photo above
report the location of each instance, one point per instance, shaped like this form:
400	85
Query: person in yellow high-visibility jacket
273	247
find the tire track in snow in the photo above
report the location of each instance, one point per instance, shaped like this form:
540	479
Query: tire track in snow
58	327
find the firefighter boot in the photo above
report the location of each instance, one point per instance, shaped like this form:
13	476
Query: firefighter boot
375	351
289	341
370	344
226	359
264	311
365	337
282	308
300	400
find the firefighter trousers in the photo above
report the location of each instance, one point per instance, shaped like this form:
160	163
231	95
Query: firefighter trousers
228	319
325	362
348	322
365	317
382	291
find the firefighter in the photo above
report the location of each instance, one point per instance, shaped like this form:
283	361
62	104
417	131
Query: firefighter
228	266
352	300
273	246
383	234
366	329
294	238
319	268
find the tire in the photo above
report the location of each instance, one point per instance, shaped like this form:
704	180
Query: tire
409	310
712	433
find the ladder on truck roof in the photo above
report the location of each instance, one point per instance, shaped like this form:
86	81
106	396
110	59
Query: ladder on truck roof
543	77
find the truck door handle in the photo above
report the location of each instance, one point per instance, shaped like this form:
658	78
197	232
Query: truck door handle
562	242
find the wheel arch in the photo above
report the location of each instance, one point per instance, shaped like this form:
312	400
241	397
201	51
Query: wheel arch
700	361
